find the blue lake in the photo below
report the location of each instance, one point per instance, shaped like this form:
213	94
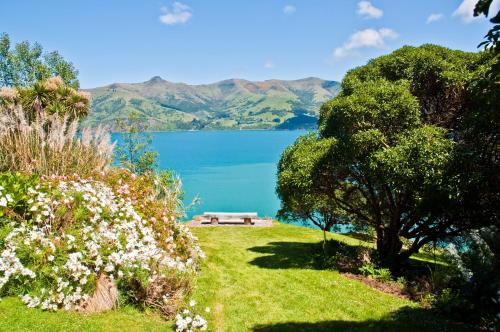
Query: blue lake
228	170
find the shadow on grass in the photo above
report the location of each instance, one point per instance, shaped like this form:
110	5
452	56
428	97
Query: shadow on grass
287	255
339	256
405	319
361	236
301	255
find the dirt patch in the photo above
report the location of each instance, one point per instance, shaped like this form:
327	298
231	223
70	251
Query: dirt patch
219	317
392	288
104	298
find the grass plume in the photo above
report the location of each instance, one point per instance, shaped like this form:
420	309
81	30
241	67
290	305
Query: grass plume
51	144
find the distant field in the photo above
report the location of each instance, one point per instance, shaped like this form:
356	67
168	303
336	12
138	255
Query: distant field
257	279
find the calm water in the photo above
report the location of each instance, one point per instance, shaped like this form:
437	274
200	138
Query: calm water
228	170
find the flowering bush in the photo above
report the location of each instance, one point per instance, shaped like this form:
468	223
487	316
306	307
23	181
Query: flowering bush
189	320
60	235
4	198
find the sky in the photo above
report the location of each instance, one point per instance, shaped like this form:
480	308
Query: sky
200	41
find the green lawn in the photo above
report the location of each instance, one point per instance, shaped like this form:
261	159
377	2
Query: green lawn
256	279
263	279
14	316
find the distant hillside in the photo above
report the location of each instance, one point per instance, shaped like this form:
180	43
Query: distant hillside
229	104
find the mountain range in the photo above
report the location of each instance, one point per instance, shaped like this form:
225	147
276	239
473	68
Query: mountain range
228	104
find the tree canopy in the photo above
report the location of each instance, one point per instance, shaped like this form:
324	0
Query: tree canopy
398	138
301	199
25	64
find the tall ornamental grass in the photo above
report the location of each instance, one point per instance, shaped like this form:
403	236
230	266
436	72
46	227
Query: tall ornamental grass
51	145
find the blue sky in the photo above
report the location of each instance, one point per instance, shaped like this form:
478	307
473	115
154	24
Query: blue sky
200	41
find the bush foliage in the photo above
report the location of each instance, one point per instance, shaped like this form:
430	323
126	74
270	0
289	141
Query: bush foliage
59	235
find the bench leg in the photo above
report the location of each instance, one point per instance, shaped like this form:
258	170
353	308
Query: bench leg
247	221
214	221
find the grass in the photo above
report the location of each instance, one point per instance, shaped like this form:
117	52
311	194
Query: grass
257	279
263	279
15	316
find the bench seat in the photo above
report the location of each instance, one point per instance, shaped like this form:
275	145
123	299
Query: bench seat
229	218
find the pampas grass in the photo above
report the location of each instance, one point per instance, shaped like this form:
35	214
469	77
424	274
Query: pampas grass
51	145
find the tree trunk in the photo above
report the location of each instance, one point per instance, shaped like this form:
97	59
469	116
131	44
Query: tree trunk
389	248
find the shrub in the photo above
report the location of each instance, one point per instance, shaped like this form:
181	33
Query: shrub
475	290
13	192
370	270
190	320
340	256
38	131
72	233
50	96
50	144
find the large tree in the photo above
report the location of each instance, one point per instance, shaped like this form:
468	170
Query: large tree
25	64
398	128
392	159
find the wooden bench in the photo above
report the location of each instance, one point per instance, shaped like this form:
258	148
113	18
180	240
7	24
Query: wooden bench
230	217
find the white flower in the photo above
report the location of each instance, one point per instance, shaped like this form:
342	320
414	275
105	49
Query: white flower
119	240
109	267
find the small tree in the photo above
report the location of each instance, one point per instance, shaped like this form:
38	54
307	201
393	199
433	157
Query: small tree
50	96
133	151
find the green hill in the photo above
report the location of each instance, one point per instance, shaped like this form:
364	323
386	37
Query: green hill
229	104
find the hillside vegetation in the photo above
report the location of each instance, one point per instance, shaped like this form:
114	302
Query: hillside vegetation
229	104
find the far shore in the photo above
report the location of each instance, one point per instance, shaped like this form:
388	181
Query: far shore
216	130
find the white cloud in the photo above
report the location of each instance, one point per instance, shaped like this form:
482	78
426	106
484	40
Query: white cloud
367	10
434	18
364	39
466	11
269	65
289	9
179	13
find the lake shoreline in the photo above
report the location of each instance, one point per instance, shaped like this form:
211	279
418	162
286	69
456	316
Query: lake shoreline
217	130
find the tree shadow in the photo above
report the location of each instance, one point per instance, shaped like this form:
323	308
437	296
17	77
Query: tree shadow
335	255
361	236
405	319
286	255
302	255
